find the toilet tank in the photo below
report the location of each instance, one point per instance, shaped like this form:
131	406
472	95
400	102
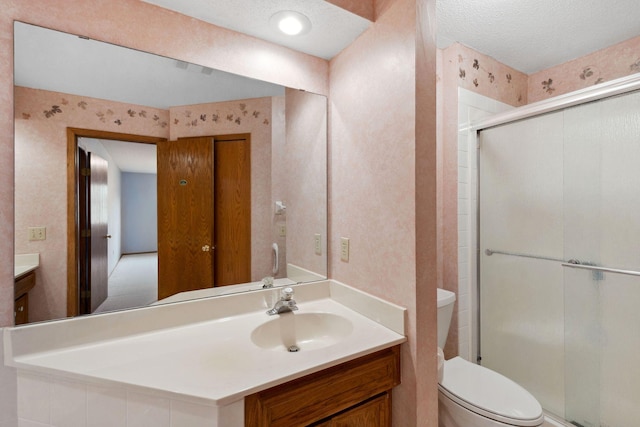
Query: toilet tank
446	299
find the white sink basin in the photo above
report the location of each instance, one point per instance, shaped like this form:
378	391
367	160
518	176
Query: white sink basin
301	331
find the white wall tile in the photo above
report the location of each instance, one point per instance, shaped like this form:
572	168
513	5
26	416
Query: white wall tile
463	175
463	274
463	223
463	156
193	415
463	318
463	255
231	415
27	423
148	411
8	392
106	406
471	107
34	397
68	404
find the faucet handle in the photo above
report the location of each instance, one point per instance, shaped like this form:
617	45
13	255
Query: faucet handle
267	282
287	294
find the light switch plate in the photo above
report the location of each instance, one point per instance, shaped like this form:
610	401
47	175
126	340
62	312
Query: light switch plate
344	249
37	233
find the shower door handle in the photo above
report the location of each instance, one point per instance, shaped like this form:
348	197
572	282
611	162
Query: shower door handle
574	264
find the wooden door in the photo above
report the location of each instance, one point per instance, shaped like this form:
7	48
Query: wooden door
93	222
185	215
99	209
232	210
84	242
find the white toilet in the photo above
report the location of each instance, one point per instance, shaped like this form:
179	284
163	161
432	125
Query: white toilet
473	396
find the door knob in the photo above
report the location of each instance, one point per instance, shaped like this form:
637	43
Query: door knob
108	236
206	248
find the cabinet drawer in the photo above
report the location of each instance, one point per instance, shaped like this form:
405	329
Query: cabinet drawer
320	395
24	284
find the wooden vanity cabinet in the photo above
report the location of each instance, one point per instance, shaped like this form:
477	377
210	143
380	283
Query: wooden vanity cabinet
22	285
355	393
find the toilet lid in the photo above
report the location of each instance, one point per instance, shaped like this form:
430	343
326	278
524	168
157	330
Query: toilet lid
490	394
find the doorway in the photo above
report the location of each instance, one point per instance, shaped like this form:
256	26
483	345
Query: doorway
79	241
204	213
228	173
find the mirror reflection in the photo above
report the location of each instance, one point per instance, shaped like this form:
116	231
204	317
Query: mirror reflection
141	179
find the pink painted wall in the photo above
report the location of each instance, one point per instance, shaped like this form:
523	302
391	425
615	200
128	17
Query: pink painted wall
41	121
378	144
40	136
363	8
460	66
616	61
279	178
426	197
382	152
165	33
306	180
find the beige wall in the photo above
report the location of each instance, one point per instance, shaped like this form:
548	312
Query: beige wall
382	183
41	200
305	181
619	60
164	32
141	26
382	146
41	177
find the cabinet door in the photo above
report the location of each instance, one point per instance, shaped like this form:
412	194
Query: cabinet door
325	394
22	310
374	413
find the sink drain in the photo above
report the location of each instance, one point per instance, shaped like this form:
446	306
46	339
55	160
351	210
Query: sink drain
293	349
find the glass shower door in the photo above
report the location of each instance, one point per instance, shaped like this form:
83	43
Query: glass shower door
559	194
521	225
602	228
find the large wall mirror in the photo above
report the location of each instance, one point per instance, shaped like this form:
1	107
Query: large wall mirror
112	147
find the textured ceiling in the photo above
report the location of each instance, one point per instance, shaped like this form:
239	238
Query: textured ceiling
532	35
528	35
61	62
332	29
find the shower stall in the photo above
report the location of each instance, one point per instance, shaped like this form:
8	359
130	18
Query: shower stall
558	257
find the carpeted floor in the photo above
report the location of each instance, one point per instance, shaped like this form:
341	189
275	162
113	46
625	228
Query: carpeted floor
133	283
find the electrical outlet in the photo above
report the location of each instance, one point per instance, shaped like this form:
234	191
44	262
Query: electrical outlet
344	249
282	230
317	244
37	233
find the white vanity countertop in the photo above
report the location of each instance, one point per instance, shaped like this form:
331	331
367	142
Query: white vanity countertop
214	359
222	290
24	263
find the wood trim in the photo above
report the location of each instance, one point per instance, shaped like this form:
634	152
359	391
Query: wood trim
320	395
72	194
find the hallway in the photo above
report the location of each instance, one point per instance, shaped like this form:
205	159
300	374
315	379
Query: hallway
133	283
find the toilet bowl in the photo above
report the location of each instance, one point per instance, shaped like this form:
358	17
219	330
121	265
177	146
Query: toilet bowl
470	395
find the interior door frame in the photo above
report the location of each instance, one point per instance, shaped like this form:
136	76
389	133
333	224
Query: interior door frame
73	134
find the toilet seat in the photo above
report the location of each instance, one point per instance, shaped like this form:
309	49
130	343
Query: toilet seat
489	394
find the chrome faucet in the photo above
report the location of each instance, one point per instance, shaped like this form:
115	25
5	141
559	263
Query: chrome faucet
285	304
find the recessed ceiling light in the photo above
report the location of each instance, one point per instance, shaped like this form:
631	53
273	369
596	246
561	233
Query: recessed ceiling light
290	22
